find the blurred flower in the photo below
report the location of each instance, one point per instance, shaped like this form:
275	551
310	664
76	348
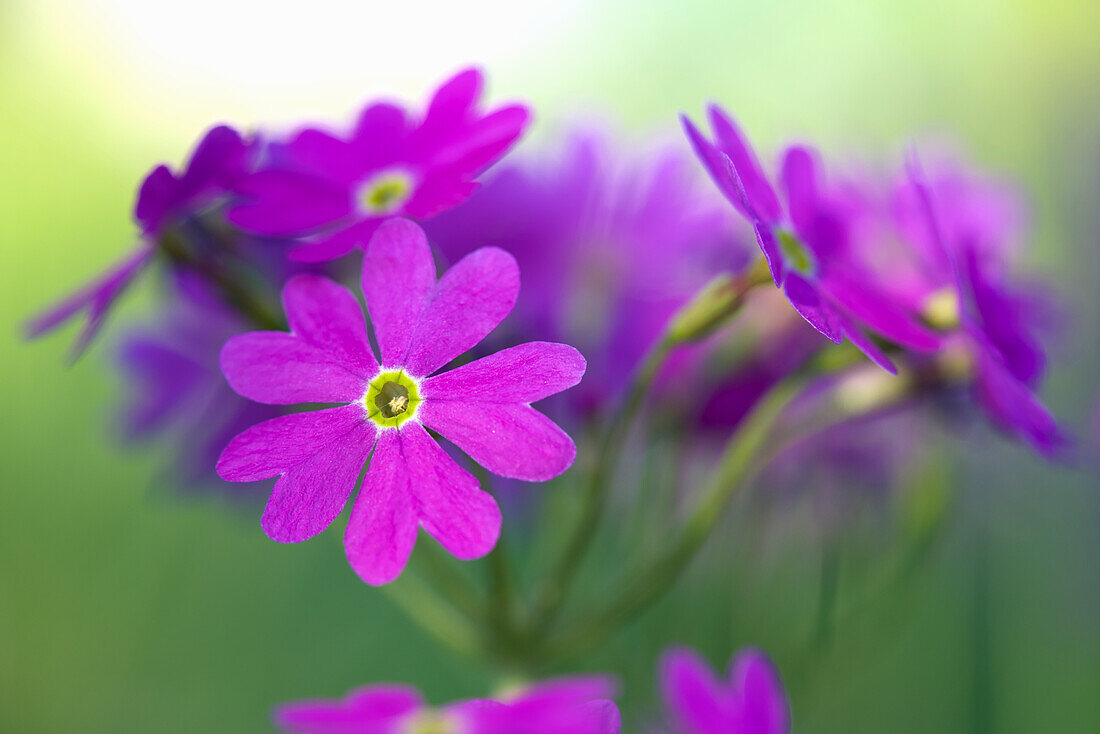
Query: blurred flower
995	325
565	706
337	191
749	701
175	388
421	324
218	161
610	249
807	250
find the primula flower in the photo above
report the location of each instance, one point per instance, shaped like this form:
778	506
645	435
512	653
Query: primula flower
218	161
610	248
807	245
994	325
750	700
565	706
336	191
421	324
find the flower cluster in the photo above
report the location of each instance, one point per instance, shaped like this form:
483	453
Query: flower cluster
263	365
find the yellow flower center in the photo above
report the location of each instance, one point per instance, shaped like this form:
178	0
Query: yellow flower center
385	192
432	722
391	398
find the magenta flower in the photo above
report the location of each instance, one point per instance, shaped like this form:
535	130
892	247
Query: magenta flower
218	161
807	247
335	192
421	324
750	700
565	706
994	325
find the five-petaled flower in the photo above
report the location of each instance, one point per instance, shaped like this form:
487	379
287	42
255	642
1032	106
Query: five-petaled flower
807	249
750	701
562	706
334	192
421	324
219	160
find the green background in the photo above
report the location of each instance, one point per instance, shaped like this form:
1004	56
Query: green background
127	607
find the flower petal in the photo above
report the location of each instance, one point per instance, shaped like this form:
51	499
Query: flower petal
326	315
732	142
864	343
770	247
325	155
453	509
333	244
398	283
511	440
288	203
721	169
692	692
319	456
410	479
382	528
276	446
810	306
764	708
278	368
521	374
799	180
880	313
375	705
469	301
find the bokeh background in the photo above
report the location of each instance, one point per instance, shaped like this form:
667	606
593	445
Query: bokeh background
126	607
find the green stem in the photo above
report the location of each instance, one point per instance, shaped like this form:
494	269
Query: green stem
423	607
828	585
735	467
449	582
236	293
552	595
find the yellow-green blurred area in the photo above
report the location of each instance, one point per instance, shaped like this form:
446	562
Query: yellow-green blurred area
128	607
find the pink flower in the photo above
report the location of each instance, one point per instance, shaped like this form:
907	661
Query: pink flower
750	700
565	706
335	192
421	324
806	243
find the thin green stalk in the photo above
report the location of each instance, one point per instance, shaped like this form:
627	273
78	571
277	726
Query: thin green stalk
236	293
552	594
828	586
712	307
450	583
735	467
424	608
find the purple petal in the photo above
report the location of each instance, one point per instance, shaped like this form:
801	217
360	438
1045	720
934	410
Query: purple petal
334	244
453	510
327	316
155	198
325	155
287	203
799	180
763	708
277	368
733	143
1014	409
511	440
319	456
765	236
721	170
810	306
97	298
398	283
379	138
883	315
412	478
469	301
525	373
437	194
485	140
865	344
276	446
691	691
218	160
371	706
382	528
